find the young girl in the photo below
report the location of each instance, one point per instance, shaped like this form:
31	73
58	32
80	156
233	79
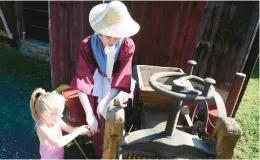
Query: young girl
47	111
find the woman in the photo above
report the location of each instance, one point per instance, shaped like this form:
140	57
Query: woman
105	64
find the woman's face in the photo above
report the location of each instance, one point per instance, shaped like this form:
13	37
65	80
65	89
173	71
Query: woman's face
109	41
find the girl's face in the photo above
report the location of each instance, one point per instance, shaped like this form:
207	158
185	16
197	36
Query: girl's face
109	41
53	118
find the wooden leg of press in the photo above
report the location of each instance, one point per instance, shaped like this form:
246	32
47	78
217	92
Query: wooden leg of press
227	134
114	127
234	93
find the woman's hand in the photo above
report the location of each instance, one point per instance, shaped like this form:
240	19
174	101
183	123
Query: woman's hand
92	122
85	130
102	108
105	102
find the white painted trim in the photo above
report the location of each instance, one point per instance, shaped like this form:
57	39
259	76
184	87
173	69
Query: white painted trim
7	34
4	21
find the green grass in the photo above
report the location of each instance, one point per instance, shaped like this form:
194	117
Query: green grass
248	119
18	66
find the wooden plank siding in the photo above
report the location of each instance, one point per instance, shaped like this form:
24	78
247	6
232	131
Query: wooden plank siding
157	43
69	25
35	15
224	40
169	31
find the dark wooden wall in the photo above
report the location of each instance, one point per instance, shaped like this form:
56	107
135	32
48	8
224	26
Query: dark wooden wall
68	25
169	31
36	20
224	40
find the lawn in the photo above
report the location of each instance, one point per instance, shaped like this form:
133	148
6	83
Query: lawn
248	118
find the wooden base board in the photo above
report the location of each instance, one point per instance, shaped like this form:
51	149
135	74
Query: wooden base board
35	50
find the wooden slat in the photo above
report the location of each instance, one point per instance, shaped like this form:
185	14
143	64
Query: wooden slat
35	50
65	38
226	31
194	14
8	35
114	127
4	21
159	22
137	13
55	56
149	96
234	93
74	37
181	36
18	10
148	33
69	25
167	30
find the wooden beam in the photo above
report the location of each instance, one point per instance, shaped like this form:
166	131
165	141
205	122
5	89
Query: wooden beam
18	9
8	35
4	21
114	127
227	134
234	93
35	50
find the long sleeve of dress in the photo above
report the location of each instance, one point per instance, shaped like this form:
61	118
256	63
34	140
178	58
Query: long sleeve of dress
123	70
83	79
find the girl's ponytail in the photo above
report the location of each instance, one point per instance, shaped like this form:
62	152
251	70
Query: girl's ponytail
35	95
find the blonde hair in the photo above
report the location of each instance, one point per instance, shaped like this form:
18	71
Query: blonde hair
42	101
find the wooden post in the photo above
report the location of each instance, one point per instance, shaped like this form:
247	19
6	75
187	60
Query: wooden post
114	127
234	93
227	134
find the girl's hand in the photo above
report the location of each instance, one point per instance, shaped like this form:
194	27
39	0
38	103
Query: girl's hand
84	129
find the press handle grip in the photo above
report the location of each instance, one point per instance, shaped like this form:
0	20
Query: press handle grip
209	89
191	64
